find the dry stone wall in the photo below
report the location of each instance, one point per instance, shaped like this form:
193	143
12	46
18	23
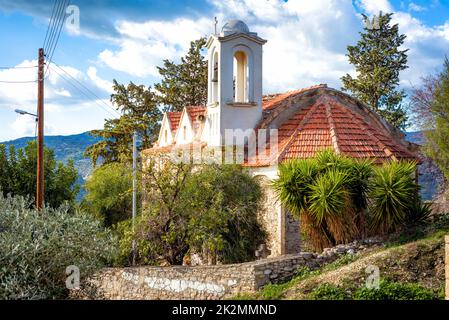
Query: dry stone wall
209	282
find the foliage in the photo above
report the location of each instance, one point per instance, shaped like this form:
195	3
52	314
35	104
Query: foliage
378	61
109	193
422	98
337	198
140	113
328	194
437	140
389	290
18	175
392	193
208	210
328	291
184	84
36	247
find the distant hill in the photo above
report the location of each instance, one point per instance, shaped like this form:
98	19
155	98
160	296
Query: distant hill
430	178
65	148
415	137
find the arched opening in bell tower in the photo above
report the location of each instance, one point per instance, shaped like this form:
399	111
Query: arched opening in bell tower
240	77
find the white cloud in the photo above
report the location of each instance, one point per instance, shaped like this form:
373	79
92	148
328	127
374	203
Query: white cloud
66	111
374	6
99	82
416	7
144	46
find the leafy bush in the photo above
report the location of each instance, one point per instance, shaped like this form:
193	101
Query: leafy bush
210	210
18	175
389	290
37	246
109	193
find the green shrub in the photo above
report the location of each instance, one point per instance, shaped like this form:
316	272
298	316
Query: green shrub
328	291
389	290
328	194
209	209
336	198
109	193
37	246
393	194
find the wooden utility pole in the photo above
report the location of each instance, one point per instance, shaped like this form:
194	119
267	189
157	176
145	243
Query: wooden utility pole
40	132
134	193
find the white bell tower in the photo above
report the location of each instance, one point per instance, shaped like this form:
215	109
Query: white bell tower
234	81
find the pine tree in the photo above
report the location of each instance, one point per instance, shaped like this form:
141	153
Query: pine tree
378	61
140	113
438	139
184	84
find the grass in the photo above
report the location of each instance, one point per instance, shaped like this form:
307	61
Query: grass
404	261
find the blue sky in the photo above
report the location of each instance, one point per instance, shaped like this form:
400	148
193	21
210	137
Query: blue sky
126	40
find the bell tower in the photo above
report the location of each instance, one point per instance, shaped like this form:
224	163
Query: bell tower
234	81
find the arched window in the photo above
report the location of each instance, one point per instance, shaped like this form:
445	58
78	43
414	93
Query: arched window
215	78
240	77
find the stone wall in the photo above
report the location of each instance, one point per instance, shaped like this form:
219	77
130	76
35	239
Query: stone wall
446	260
282	228
197	282
209	282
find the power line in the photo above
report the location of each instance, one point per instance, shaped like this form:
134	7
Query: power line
27	67
61	24
86	88
56	31
30	81
49	22
53	25
83	92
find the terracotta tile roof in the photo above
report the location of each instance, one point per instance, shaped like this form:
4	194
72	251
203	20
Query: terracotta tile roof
194	112
327	124
174	118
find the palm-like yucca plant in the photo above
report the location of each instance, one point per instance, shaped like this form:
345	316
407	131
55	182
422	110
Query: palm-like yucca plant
331	207
331	194
293	184
392	194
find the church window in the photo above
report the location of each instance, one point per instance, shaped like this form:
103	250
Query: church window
240	77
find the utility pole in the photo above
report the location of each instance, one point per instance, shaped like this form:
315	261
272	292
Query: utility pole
40	135
134	191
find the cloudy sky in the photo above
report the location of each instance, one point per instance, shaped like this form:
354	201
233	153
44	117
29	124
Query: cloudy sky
126	40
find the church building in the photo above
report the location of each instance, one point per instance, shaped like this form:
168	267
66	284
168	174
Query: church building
304	121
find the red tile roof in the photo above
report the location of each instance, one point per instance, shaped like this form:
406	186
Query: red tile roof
174	118
194	112
328	124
